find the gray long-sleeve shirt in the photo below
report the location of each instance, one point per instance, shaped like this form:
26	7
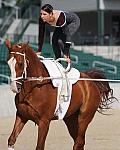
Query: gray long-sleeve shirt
68	21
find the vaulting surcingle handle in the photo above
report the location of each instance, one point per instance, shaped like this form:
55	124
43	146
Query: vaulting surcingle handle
41	57
68	66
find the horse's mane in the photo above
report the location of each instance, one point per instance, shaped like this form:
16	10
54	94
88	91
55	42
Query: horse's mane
29	51
31	55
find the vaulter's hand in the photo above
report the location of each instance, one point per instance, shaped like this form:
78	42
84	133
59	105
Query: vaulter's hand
67	58
38	53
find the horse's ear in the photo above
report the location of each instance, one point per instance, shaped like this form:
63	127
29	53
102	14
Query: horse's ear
8	43
27	44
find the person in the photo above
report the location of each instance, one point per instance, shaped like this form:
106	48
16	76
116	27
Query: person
65	23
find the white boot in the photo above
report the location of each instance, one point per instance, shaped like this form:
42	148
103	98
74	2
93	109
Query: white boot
10	148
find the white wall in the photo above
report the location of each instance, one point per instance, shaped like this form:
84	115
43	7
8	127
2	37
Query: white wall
7	103
31	33
0	3
112	4
116	93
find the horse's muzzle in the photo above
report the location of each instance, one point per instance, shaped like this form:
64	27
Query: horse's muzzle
15	87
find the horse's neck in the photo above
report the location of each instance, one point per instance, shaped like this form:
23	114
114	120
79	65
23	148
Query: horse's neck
34	68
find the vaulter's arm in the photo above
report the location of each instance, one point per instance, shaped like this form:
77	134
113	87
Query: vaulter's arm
41	34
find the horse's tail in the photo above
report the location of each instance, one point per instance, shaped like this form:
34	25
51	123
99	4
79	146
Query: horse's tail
104	88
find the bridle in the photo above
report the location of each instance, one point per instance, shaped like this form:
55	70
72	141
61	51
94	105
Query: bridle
24	77
24	74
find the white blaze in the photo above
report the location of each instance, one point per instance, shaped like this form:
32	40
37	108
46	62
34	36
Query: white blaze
11	64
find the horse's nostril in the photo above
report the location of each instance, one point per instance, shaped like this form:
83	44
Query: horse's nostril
19	87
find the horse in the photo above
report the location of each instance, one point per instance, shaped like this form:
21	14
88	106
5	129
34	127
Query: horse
36	100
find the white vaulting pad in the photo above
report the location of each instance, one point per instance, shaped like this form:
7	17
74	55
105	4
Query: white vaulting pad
55	70
64	83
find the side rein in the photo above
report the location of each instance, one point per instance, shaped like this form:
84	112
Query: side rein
24	74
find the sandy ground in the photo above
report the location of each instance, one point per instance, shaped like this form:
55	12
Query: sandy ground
103	133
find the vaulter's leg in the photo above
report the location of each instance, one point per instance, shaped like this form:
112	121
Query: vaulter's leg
43	128
18	126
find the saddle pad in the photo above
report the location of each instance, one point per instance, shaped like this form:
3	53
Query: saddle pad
64	83
55	69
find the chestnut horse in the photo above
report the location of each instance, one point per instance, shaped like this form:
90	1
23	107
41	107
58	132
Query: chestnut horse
36	100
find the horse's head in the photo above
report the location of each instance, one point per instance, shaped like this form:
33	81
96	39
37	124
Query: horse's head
18	63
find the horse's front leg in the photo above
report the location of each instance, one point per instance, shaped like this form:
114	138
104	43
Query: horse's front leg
18	126
43	128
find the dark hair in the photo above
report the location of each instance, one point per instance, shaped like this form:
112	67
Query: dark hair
48	8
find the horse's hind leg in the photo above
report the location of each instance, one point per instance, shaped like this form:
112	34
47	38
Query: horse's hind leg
83	120
72	125
18	126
